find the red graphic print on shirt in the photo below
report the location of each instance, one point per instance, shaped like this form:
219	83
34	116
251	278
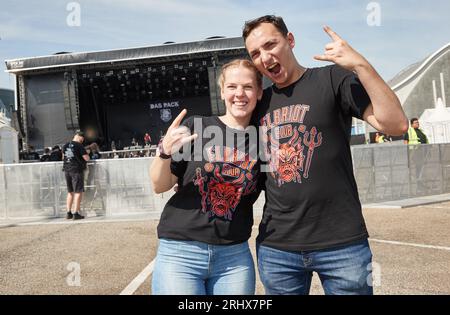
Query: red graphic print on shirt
286	139
223	185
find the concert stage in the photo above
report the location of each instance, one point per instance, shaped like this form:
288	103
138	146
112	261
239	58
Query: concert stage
119	94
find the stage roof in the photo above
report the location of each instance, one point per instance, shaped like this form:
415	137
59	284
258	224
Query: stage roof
122	55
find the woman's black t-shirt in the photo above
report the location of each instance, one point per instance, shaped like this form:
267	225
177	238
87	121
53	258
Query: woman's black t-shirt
217	185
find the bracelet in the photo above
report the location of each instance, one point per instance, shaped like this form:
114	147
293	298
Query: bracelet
162	155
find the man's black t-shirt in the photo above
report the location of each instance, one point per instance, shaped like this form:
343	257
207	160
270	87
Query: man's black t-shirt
214	201
312	201
73	157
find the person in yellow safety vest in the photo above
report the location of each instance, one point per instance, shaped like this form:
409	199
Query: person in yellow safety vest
414	134
379	138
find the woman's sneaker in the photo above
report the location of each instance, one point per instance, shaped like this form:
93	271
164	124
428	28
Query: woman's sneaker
78	216
69	215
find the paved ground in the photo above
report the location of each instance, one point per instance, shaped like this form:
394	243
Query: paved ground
46	257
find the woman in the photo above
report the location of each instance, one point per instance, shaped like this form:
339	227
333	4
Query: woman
205	226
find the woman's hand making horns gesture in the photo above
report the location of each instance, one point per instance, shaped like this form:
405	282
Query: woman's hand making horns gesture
177	135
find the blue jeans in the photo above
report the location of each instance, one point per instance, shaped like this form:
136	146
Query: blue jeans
196	268
342	270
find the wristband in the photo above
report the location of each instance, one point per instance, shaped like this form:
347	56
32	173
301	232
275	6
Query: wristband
162	154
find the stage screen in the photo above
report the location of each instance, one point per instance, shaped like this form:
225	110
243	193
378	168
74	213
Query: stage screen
134	119
45	111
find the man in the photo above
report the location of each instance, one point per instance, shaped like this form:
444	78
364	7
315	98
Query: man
417	156
415	135
147	139
75	158
382	138
312	220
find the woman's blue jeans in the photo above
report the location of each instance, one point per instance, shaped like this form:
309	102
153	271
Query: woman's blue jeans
342	270
196	268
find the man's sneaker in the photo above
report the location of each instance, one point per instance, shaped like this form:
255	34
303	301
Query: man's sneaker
69	215
78	216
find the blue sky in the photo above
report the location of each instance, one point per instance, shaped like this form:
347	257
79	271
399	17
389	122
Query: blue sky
410	30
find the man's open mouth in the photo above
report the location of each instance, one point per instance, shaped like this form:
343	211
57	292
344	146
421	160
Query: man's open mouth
274	69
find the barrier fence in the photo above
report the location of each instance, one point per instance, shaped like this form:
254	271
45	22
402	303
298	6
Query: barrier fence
394	172
112	187
122	186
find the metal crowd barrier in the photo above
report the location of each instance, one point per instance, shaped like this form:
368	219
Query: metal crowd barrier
394	172
122	186
147	151
112	187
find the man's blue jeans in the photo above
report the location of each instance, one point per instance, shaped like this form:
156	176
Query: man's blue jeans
196	268
342	270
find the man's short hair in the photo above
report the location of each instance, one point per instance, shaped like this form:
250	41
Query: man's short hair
79	133
276	21
414	120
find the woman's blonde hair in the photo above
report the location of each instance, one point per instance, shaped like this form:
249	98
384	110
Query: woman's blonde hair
239	63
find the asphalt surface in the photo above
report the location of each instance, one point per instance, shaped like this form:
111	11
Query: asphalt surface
104	256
